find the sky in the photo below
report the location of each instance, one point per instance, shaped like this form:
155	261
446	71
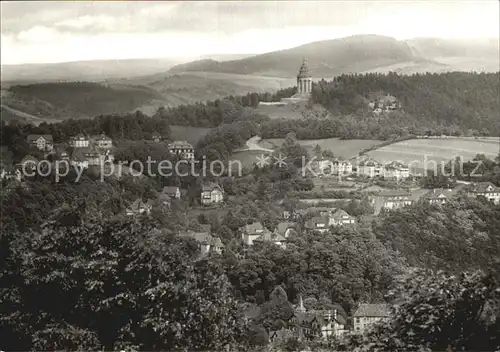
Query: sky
45	32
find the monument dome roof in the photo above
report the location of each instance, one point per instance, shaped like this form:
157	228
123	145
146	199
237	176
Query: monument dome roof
304	70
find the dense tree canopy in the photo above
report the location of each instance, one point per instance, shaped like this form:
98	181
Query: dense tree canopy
92	284
438	312
460	235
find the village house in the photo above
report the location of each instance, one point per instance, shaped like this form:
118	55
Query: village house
285	229
340	217
369	168
387	103
102	141
79	141
484	189
250	232
206	242
391	200
156	137
322	166
256	232
43	142
396	171
274	238
368	314
342	167
438	196
211	193
326	167
165	199
86	157
182	149
10	174
172	192
317	224
139	207
312	324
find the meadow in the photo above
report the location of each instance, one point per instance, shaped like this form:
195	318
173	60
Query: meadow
418	152
247	158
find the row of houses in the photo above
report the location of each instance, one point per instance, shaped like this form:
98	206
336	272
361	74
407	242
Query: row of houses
256	232
211	193
45	142
366	168
392	200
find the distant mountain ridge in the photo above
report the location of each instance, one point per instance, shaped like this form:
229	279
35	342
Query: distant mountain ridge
95	70
359	53
147	84
325	58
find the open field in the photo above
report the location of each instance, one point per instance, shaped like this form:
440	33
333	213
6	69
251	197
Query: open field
187	133
259	83
344	148
418	152
248	158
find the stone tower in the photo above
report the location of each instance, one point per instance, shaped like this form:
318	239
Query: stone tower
304	80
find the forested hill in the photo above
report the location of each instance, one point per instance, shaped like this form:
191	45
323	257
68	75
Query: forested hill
460	101
63	100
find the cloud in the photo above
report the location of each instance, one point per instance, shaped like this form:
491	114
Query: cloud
59	31
38	34
104	23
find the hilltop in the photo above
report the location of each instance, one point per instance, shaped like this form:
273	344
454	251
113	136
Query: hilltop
325	58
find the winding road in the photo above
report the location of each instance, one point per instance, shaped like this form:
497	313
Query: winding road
253	144
31	118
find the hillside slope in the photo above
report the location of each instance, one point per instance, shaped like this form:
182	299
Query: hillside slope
74	100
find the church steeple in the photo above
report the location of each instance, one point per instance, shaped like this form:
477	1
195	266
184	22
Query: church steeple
301	307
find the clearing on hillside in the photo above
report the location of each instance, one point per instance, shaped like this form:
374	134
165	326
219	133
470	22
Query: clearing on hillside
343	148
187	133
420	152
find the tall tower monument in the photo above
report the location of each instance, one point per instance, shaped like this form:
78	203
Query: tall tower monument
304	80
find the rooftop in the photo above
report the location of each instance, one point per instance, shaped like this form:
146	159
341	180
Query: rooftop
255	227
372	310
210	186
180	144
483	187
34	137
339	214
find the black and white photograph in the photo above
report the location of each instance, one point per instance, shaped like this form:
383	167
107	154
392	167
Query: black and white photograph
254	176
